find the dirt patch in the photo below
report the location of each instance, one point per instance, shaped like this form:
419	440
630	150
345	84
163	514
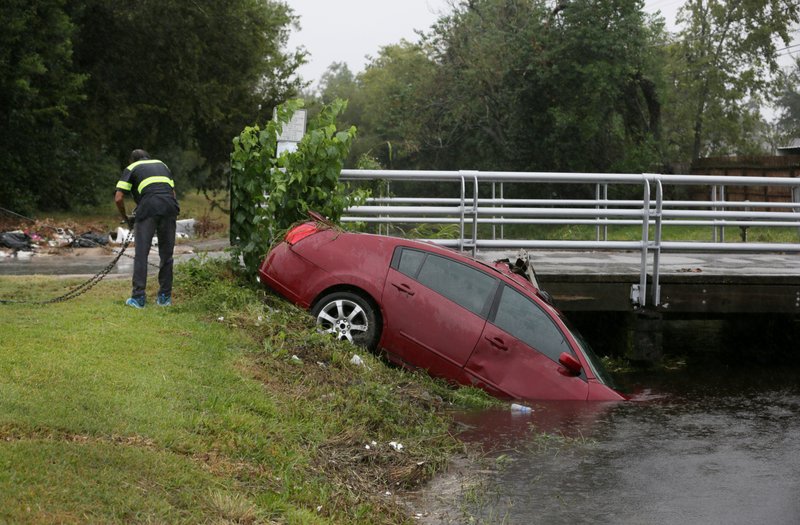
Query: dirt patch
441	501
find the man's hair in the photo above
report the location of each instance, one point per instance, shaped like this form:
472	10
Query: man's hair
137	155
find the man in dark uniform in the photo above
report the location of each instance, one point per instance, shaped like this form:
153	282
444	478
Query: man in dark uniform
150	182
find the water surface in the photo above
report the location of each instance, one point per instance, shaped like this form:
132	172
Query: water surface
707	446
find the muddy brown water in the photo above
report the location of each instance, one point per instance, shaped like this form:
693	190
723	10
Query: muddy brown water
692	446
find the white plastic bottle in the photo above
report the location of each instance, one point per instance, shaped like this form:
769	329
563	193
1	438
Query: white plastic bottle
522	409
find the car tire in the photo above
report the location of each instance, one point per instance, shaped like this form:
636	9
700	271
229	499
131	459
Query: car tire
349	317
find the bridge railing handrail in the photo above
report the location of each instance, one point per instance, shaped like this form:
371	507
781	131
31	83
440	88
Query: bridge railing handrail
650	213
573	178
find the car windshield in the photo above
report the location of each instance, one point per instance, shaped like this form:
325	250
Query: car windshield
595	363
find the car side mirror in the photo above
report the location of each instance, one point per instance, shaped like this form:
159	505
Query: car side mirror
569	362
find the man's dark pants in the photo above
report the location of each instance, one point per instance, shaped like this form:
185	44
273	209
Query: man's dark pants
164	228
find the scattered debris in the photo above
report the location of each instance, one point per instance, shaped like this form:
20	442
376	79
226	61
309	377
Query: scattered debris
185	227
356	360
44	236
89	240
395	445
120	236
16	240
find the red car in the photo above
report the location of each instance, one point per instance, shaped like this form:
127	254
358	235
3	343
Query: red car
432	308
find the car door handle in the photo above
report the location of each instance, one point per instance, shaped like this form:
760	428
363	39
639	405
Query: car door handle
497	343
404	288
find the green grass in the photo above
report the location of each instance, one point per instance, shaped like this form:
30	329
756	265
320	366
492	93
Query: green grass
225	408
634	233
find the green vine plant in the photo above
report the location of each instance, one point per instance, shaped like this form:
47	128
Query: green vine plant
270	193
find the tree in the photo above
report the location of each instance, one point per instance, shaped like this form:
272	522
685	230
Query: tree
173	76
395	101
788	101
86	81
338	82
38	89
724	55
524	85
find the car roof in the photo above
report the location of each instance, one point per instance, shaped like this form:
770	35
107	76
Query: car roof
430	246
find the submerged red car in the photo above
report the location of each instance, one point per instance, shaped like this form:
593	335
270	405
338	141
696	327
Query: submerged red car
431	308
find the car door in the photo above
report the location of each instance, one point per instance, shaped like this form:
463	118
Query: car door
517	353
436	308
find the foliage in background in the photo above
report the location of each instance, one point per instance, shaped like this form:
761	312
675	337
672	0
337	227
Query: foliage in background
571	86
269	193
514	85
721	67
538	85
788	102
83	82
162	75
39	86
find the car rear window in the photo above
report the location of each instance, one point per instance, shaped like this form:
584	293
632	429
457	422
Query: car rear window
458	282
410	261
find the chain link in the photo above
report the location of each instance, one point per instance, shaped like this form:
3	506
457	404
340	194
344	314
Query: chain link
84	287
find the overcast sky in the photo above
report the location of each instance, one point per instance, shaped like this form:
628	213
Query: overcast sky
350	30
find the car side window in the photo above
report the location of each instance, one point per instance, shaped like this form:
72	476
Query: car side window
525	320
409	262
458	282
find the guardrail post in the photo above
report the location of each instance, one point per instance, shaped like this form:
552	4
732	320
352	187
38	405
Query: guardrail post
503	226
601	194
714	209
494	226
645	242
474	241
475	214
462	211
597	207
722	198
796	198
657	246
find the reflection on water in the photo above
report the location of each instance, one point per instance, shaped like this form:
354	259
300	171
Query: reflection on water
713	446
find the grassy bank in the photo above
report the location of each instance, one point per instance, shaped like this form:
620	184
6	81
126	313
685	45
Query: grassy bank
225	408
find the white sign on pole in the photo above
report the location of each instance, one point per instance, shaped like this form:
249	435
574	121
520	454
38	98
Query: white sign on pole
292	131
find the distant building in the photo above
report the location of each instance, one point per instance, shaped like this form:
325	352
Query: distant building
792	149
786	164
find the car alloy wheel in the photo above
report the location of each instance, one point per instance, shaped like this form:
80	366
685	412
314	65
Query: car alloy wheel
348	316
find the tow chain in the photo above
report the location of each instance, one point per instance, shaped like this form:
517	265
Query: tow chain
84	287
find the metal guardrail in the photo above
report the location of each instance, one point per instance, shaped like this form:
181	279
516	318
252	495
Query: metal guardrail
651	211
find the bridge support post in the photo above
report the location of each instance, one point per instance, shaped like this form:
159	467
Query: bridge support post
645	337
